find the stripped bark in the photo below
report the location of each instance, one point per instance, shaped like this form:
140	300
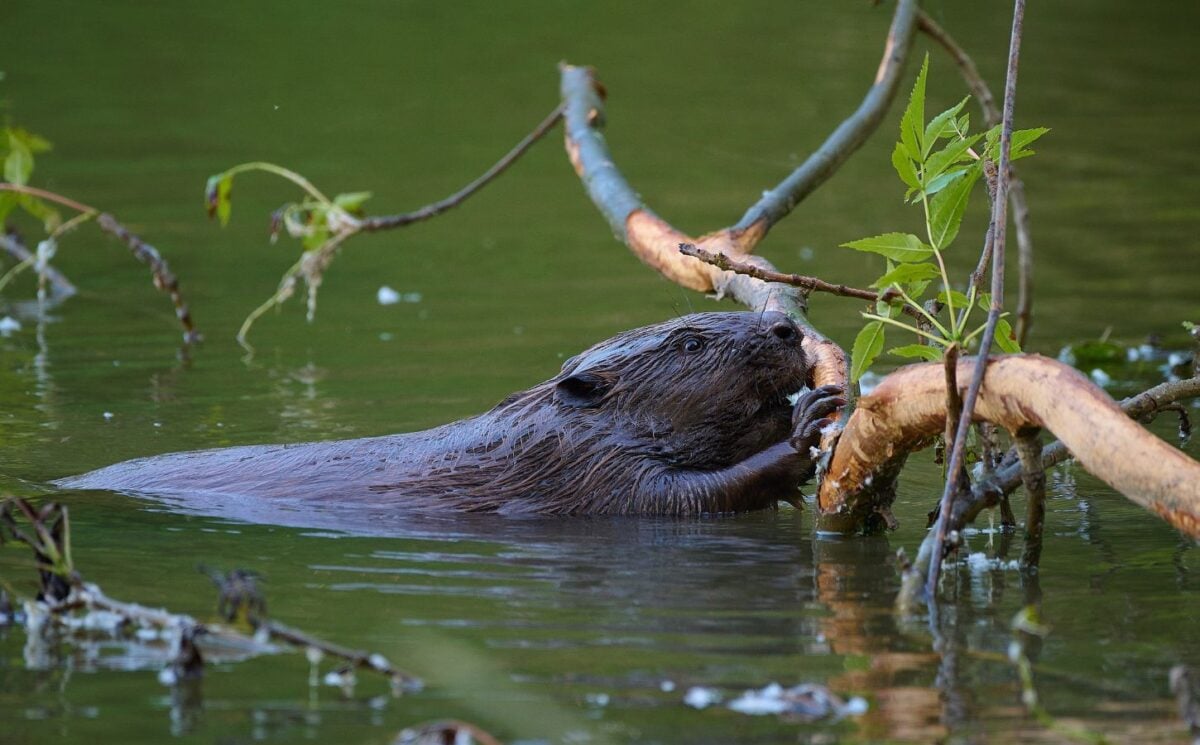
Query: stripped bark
908	409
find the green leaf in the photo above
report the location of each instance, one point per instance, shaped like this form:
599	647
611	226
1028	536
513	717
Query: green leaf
8	200
960	300
906	273
42	211
867	346
217	197
912	131
18	165
1021	140
34	143
916	289
904	166
955	152
941	182
923	351
352	201
947	208
902	247
1005	338
942	126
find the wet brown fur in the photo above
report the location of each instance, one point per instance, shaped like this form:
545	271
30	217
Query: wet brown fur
642	423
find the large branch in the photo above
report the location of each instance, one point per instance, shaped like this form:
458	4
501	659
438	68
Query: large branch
907	410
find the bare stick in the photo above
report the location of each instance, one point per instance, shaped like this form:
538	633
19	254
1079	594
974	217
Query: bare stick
1016	189
999	224
164	280
386	222
814	284
1033	475
15	248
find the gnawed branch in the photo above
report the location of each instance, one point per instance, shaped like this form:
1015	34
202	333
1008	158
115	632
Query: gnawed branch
907	410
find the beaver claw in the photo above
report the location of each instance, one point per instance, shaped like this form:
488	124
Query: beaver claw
811	414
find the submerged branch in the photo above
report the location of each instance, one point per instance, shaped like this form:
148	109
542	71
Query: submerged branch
164	279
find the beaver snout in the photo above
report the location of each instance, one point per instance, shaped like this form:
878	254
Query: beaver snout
779	326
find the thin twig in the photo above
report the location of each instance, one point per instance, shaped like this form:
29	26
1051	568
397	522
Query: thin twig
164	280
386	222
47	195
999	224
1016	189
814	284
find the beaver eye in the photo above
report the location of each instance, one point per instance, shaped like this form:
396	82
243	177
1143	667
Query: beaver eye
693	344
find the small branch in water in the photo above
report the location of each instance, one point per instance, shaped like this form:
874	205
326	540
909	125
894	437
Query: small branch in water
1183	685
61	287
1033	475
999	225
164	280
63	592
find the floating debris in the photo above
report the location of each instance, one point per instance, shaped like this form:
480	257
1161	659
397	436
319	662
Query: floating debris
807	702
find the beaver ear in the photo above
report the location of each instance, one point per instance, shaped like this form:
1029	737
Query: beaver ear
583	389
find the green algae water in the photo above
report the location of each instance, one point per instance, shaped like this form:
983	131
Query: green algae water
563	631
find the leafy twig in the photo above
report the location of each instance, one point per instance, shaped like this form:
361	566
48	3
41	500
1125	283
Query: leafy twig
325	224
998	228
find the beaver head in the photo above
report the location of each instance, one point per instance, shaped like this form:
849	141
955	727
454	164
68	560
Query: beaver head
705	390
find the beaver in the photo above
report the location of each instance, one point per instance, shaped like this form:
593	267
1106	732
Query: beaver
689	416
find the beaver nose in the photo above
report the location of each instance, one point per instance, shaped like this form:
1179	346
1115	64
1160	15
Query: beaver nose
784	330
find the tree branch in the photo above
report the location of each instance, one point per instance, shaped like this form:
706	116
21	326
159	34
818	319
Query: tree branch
386	222
999	224
1016	189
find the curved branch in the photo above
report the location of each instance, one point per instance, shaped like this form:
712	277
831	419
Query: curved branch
907	410
436	208
850	134
654	240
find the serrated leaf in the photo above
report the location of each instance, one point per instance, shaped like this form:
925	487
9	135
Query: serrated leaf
1021	140
902	247
867	346
960	300
352	201
932	354
941	182
912	130
1005	338
941	126
904	166
916	289
18	164
955	152
947	208
906	273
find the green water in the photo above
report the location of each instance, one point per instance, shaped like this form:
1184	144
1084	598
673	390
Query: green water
583	630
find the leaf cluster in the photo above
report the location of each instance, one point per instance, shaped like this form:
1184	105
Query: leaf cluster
939	161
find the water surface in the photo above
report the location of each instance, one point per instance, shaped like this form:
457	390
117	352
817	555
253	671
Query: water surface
548	630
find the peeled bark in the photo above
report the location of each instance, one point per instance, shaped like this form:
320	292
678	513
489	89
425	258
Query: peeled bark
908	409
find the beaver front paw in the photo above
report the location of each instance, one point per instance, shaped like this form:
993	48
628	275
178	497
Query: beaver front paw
811	414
